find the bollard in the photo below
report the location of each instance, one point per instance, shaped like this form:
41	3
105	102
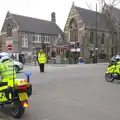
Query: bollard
28	74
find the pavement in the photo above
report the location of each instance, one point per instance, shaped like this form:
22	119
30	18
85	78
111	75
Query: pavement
73	92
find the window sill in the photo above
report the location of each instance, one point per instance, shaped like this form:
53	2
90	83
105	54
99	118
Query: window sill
46	42
24	46
36	42
8	37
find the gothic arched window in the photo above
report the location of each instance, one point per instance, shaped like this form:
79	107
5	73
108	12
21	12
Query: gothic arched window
9	30
73	30
102	38
91	37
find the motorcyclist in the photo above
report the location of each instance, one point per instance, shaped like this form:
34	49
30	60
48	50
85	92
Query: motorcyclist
117	58
7	72
116	66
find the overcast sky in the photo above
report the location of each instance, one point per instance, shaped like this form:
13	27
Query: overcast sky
42	8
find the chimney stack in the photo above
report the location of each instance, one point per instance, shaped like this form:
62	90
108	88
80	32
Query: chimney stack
53	17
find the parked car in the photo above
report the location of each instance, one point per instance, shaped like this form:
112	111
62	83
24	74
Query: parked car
17	65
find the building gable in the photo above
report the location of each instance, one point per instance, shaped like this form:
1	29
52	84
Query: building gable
9	19
8	15
74	14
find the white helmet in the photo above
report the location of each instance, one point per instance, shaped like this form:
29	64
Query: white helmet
4	58
117	57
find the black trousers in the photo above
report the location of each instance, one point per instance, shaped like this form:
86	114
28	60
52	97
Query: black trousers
41	67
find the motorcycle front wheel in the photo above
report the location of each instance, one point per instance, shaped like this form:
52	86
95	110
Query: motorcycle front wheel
109	77
17	110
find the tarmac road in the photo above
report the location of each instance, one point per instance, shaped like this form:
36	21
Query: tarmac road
76	92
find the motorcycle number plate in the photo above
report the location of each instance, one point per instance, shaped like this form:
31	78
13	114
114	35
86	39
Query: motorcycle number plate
23	96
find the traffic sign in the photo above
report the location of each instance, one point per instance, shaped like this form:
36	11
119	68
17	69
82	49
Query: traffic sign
9	47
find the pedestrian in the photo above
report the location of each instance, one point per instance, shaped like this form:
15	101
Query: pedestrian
35	60
20	58
41	60
81	60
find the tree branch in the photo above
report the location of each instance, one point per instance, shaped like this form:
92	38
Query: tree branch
102	3
116	3
88	5
113	2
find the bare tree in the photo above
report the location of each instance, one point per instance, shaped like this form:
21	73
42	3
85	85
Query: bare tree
106	7
88	5
102	3
112	3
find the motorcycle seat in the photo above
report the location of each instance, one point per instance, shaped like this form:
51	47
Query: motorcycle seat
3	84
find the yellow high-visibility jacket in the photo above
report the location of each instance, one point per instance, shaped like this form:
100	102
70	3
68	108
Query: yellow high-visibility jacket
6	72
41	58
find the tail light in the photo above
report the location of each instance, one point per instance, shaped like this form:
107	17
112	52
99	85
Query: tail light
25	104
22	87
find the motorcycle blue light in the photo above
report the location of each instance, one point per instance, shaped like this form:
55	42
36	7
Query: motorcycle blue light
28	76
27	73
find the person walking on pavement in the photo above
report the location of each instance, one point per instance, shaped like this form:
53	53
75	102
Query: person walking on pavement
41	60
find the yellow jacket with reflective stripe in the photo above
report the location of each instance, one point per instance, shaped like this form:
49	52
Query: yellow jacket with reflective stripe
41	58
6	72
115	68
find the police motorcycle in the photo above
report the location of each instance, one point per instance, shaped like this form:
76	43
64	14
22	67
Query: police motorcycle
16	98
113	69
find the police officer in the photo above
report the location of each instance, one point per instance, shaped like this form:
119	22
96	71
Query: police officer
41	60
7	72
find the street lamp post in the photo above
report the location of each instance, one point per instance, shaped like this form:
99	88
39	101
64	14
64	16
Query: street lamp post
75	41
96	49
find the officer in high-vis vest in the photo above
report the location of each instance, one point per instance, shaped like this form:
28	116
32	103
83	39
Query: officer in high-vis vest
41	60
7	72
115	67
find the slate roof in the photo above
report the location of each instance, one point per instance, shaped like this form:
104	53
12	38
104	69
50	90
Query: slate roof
89	18
35	25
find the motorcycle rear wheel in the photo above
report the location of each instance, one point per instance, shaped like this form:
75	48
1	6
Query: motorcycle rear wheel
17	110
109	77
